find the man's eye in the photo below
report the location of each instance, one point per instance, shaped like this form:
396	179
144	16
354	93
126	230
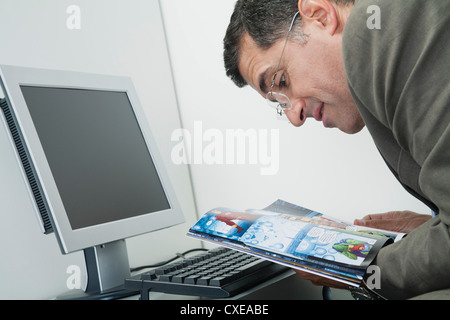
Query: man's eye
282	82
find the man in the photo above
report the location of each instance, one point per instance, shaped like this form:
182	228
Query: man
353	63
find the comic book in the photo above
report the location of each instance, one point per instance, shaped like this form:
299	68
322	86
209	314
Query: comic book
296	237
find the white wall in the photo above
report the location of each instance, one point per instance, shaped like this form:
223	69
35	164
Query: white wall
320	169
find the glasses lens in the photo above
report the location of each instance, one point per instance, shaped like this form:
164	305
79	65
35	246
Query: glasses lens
280	103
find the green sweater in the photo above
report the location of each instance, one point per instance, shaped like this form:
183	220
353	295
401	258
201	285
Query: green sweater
399	79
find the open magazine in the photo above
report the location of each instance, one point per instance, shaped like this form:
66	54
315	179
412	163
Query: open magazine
296	237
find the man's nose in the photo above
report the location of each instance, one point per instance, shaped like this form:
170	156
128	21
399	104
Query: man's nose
297	114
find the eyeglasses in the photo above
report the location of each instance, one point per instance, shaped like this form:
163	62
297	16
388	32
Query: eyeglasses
279	101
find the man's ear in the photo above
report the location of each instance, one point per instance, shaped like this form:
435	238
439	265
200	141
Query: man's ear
320	12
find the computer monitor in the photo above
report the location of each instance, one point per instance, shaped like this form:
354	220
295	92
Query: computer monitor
92	165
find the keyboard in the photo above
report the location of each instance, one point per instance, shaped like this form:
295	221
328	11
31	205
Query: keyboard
218	273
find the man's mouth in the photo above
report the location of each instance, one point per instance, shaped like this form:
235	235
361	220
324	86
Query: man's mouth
318	112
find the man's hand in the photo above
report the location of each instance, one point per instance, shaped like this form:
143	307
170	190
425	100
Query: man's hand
397	221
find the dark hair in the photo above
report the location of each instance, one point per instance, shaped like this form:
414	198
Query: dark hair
266	21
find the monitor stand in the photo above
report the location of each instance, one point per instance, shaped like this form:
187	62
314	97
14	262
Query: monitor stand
107	268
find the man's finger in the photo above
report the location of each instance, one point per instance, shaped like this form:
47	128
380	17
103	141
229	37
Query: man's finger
382	216
378	224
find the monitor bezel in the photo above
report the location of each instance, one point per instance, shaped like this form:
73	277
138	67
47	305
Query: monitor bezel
70	240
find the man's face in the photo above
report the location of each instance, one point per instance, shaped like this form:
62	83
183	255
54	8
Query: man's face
312	76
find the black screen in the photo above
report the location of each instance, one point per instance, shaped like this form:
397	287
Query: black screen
97	154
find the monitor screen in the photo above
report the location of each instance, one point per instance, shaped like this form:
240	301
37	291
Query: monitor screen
97	154
89	155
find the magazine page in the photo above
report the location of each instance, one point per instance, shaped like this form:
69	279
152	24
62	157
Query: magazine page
300	240
281	206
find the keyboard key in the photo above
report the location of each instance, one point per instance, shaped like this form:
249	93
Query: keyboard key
220	281
165	277
151	275
180	277
203	281
192	279
163	270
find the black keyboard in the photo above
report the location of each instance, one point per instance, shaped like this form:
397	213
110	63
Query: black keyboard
219	273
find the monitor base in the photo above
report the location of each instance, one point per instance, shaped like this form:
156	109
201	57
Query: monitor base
107	268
